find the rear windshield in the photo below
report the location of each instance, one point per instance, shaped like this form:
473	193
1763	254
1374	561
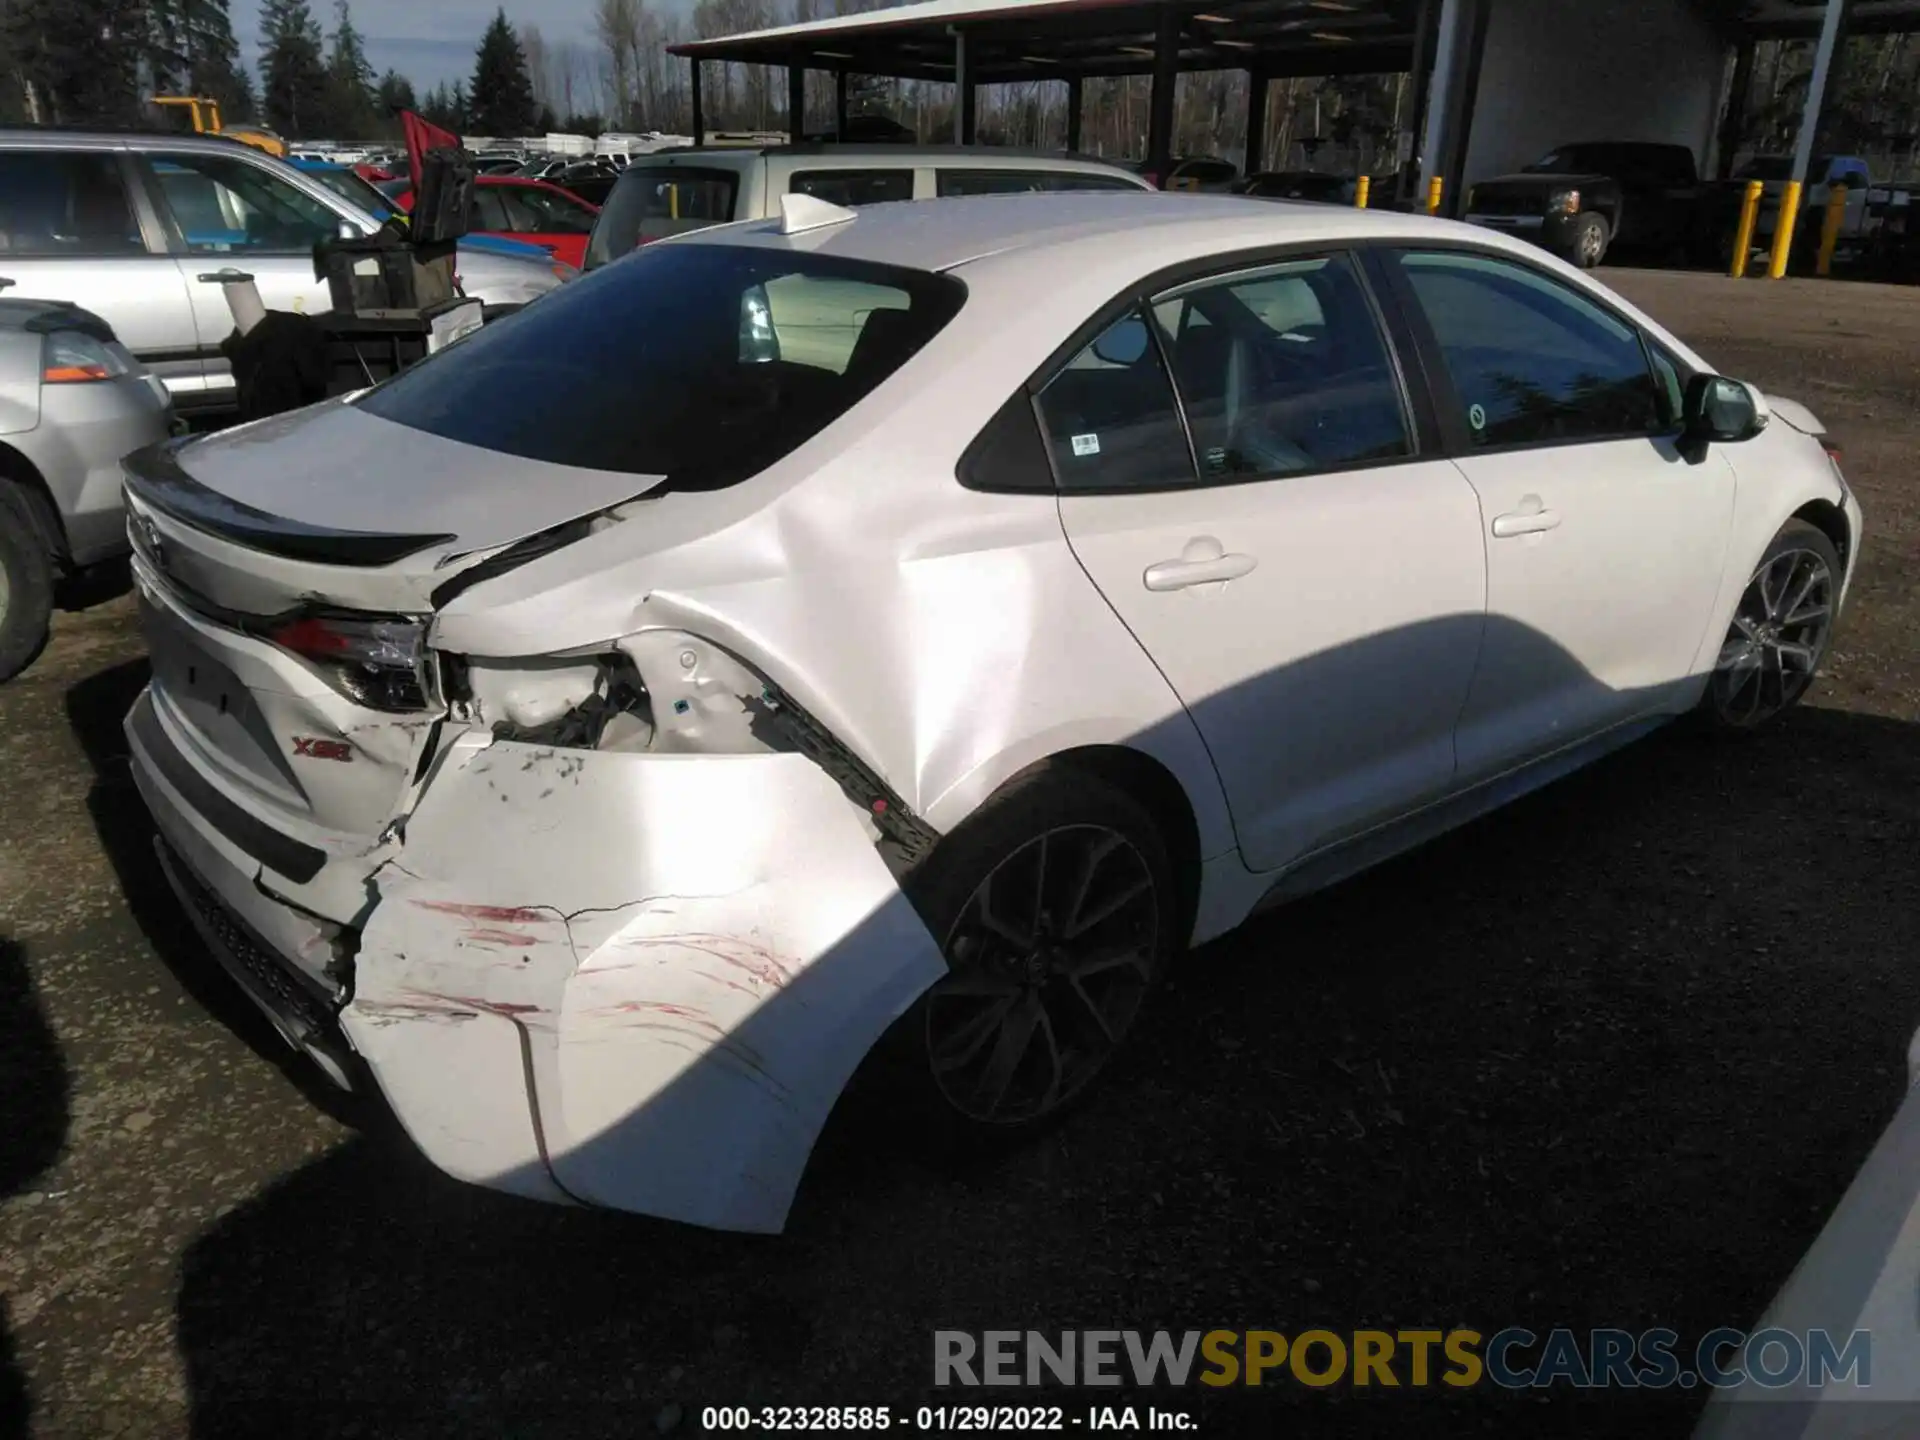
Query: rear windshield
652	202
702	363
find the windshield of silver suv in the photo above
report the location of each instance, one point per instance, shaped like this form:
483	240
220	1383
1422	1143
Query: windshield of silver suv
701	363
651	202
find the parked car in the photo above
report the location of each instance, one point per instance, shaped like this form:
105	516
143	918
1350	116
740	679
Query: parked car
530	211
959	612
674	191
1871	209
1298	185
73	401
590	182
1854	1290
128	225
1199	172
383	206
1580	201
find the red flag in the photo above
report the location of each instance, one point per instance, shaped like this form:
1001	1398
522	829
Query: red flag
422	136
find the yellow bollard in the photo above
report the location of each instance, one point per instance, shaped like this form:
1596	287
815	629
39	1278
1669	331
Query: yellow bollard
1830	231
1362	191
1783	227
1434	188
1743	236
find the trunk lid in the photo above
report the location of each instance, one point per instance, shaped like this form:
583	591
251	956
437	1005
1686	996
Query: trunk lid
351	510
286	596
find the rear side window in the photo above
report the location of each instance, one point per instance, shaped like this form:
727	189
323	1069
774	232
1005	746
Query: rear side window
701	363
949	182
1112	422
853	187
73	204
652	202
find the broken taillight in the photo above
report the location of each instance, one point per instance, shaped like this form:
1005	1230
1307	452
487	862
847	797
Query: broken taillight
379	662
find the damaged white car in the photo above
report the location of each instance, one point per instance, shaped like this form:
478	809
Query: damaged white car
922	623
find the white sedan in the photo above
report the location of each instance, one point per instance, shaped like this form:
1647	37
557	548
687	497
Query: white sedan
920	624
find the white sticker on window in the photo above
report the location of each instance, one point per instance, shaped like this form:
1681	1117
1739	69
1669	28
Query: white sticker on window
1086	444
1477	418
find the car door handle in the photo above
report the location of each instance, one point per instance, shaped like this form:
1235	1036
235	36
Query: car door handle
1532	518
229	276
1191	570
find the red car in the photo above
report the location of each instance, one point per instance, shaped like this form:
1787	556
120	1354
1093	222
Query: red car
527	210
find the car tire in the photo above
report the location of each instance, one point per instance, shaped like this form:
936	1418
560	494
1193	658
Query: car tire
1588	247
1780	633
1057	910
26	584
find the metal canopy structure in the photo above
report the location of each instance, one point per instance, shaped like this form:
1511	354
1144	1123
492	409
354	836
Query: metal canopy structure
1013	40
969	43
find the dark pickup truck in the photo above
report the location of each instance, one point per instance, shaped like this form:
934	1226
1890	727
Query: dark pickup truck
1579	201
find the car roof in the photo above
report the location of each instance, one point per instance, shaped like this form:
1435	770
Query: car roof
943	234
868	152
56	139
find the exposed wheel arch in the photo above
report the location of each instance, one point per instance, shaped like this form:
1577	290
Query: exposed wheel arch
1150	782
1830	520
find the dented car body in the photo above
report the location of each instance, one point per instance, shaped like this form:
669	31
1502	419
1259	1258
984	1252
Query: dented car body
557	732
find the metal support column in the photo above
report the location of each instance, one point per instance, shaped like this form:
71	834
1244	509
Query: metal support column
963	96
1426	34
693	90
796	103
1466	100
1733	124
840	105
1073	112
1166	75
1256	121
1824	58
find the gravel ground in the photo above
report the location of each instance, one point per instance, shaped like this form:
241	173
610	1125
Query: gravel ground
1605	1059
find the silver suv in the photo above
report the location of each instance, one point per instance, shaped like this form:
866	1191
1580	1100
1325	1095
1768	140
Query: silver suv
671	191
127	225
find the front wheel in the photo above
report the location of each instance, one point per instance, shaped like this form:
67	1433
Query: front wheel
1055	907
1780	631
1589	244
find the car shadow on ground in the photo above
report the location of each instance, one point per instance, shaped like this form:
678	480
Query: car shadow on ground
34	1112
96	706
1606	1058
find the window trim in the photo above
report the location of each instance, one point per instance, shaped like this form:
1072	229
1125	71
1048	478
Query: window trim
1204	274
1457	439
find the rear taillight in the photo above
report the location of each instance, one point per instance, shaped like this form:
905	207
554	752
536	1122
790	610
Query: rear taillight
75	359
383	664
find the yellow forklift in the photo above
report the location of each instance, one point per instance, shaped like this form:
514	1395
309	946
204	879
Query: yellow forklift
205	117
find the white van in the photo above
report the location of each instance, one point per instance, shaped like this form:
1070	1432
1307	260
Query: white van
673	191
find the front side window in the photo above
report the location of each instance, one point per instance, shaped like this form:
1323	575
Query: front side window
225	204
1532	362
1283	370
663	366
853	187
652	202
955	181
73	204
1111	419
489	212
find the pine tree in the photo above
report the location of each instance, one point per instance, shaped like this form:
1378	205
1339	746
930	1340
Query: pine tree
294	83
395	93
79	60
502	91
193	52
350	79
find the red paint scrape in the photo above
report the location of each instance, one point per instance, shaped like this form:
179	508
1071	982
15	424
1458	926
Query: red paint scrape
501	914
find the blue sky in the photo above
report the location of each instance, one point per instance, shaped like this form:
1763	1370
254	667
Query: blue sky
427	40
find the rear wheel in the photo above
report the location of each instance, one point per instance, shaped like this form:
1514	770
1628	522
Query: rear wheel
26	584
1780	631
1055	907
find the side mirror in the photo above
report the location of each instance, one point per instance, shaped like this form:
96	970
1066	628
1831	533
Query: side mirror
1719	411
1123	342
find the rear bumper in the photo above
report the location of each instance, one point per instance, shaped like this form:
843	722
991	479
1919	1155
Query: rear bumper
632	981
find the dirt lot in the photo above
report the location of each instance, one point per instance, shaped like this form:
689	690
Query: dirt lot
1606	1059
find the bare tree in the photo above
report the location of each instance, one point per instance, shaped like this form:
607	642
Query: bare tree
616	24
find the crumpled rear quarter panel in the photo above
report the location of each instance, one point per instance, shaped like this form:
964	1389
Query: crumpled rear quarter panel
637	981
